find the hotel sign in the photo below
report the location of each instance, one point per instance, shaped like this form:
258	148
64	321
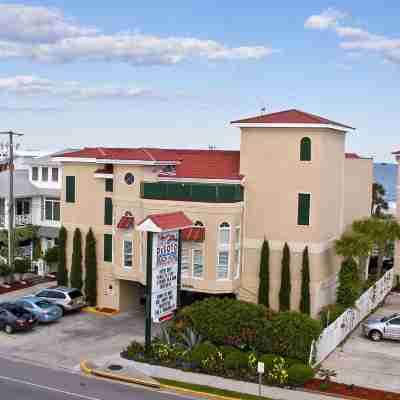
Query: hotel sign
164	275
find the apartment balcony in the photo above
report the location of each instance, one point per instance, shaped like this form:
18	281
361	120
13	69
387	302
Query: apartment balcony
2	220
24	219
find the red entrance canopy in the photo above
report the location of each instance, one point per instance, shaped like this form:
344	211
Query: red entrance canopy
164	222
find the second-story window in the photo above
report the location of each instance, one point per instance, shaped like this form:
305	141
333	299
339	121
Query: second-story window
224	233
108	211
198	263
303	213
305	149
185	261
45	174
54	174
35	173
222	269
128	253
52	209
70	189
109	185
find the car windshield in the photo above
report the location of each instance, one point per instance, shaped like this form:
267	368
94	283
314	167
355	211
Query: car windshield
44	304
74	294
385	319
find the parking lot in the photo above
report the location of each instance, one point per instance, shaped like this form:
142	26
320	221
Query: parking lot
76	336
371	364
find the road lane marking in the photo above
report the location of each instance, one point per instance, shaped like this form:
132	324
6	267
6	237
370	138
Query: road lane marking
48	388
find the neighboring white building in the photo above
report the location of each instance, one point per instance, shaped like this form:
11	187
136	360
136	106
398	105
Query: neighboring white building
37	186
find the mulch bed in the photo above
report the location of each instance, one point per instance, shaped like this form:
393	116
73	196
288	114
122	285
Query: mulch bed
351	391
28	283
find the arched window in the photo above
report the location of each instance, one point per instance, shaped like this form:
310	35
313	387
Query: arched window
198	223
224	233
305	149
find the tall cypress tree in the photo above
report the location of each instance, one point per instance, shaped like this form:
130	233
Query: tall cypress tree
263	288
91	269
62	273
284	293
305	306
76	267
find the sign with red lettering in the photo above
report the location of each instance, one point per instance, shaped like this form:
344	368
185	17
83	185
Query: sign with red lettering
165	275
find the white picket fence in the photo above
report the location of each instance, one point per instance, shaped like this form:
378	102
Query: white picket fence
337	331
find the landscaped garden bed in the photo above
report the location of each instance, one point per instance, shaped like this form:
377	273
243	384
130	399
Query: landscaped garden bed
227	337
18	285
349	391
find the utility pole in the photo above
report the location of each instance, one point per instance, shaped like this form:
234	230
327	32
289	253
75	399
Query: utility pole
11	196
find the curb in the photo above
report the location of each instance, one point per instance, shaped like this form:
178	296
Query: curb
87	370
93	310
196	393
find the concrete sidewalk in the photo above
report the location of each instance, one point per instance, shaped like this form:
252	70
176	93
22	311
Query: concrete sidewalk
139	370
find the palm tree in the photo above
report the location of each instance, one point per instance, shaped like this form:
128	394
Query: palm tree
355	245
378	200
380	232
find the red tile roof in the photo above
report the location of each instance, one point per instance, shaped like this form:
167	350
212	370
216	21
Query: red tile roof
289	117
192	164
169	221
195	234
352	155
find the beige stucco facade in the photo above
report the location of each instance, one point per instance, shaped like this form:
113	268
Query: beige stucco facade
340	192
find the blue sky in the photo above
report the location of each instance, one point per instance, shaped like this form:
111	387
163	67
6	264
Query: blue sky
173	74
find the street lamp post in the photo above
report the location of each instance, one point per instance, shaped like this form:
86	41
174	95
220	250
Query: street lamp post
11	135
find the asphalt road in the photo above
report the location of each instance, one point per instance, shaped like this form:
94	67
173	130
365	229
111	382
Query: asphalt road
24	381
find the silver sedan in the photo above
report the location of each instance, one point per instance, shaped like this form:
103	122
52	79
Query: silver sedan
42	309
378	328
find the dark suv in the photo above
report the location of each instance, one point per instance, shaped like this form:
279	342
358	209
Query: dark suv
15	318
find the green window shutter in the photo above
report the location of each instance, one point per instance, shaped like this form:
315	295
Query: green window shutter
305	149
155	191
226	193
70	189
108	211
179	191
303	214
204	193
109	185
108	247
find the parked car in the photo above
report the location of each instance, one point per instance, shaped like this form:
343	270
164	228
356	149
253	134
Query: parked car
44	310
378	328
15	318
68	299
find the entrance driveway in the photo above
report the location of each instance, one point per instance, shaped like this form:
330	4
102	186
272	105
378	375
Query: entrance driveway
371	364
74	337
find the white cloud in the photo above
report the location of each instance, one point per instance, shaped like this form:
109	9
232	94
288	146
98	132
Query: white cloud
356	39
29	24
327	19
44	35
34	86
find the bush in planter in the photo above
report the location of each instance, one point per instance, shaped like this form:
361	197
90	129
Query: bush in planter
21	266
201	352
268	360
225	321
236	360
330	313
5	271
134	351
349	288
292	334
299	374
278	375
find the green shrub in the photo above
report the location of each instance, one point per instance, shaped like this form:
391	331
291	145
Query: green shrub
286	287
134	350
236	360
292	361
268	360
202	352
333	311
278	375
292	334
299	374
305	304
62	273
5	270
225	350
51	255
263	288
76	265
226	321
349	288
22	265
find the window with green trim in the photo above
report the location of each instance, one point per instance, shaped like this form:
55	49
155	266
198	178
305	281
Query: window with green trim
303	214
70	189
305	149
108	211
109	185
108	247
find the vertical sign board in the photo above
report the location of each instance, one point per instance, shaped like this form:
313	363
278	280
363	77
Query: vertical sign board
164	275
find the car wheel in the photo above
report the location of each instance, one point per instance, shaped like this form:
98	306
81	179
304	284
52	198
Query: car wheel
376	336
9	329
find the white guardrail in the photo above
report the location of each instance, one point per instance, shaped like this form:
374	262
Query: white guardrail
337	331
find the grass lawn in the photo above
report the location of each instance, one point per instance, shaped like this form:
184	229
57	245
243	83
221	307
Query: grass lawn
210	390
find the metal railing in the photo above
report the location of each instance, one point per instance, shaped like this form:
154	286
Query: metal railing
22	220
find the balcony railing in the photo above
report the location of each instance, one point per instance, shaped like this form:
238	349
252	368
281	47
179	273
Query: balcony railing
2	219
22	220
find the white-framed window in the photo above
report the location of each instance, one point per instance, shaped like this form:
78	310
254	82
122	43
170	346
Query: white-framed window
128	253
45	174
54	174
52	209
198	263
185	262
223	265
224	233
35	173
237	252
